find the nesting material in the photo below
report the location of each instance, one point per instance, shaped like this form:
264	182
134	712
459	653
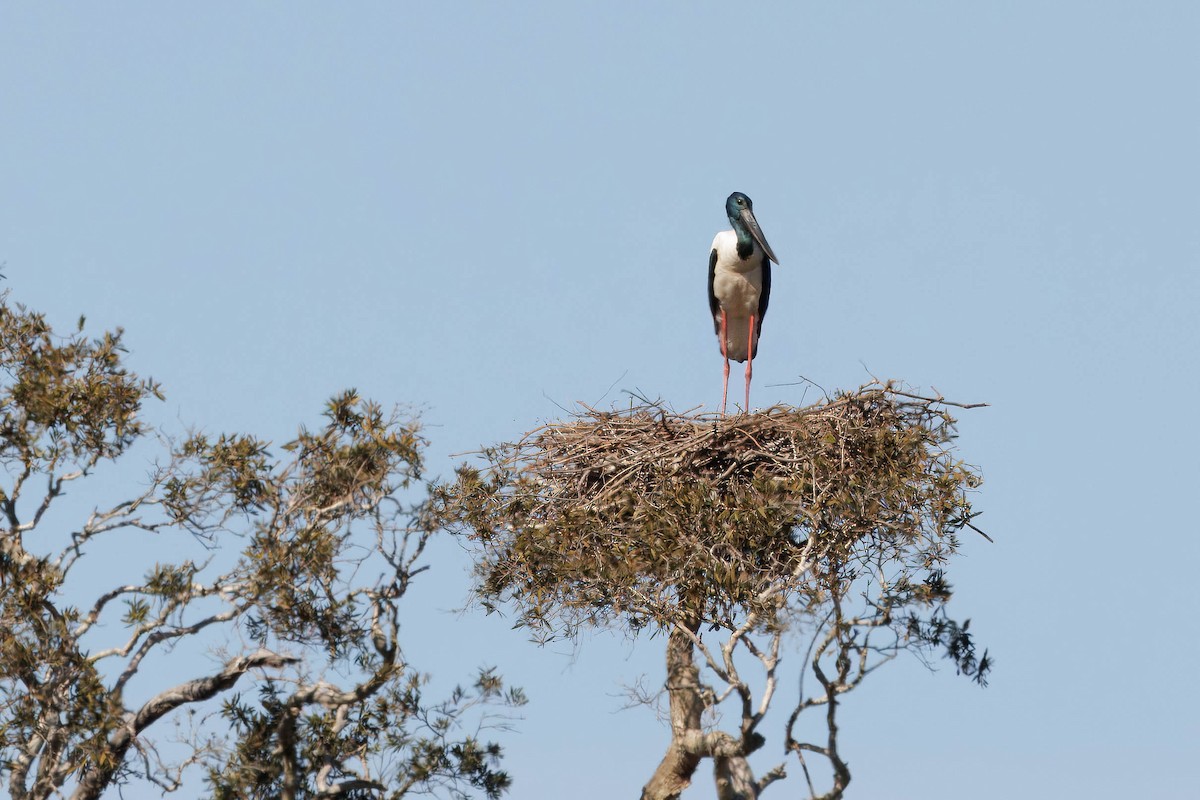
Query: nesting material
639	511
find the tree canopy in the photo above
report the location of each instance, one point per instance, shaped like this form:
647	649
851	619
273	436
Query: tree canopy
303	688
837	520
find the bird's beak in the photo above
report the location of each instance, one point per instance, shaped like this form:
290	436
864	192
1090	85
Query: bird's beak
756	232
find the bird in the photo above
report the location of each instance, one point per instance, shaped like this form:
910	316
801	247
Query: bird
739	286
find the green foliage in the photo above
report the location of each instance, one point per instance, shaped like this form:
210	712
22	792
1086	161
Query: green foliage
229	475
419	733
65	398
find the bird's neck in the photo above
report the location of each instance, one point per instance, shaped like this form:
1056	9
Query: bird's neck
745	243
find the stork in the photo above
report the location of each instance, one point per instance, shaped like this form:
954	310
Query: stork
739	285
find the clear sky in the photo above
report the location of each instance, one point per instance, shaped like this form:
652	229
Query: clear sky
491	211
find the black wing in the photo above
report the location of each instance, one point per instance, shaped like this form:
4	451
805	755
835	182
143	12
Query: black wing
713	305
765	295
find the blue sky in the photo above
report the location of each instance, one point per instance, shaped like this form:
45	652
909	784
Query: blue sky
491	211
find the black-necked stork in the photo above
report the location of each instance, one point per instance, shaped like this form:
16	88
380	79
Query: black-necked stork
739	286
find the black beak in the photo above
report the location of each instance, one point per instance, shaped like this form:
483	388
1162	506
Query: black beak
755	231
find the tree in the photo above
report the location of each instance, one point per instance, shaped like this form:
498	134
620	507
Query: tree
305	690
832	523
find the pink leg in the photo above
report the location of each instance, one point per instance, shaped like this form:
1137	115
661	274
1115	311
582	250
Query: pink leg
749	360
725	355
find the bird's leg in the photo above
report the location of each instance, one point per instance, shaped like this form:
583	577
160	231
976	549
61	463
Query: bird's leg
724	355
749	359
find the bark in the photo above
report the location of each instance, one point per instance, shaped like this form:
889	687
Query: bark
734	779
675	771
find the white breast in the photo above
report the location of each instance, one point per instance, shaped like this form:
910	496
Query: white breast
737	285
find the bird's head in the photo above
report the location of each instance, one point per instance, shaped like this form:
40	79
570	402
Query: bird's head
741	215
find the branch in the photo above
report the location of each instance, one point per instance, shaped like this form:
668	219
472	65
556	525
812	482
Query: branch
53	490
675	770
356	784
158	635
94	779
285	751
776	774
115	518
941	401
770	662
168	779
841	772
10	503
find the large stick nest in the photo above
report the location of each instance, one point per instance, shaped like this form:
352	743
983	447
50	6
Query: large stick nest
641	511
